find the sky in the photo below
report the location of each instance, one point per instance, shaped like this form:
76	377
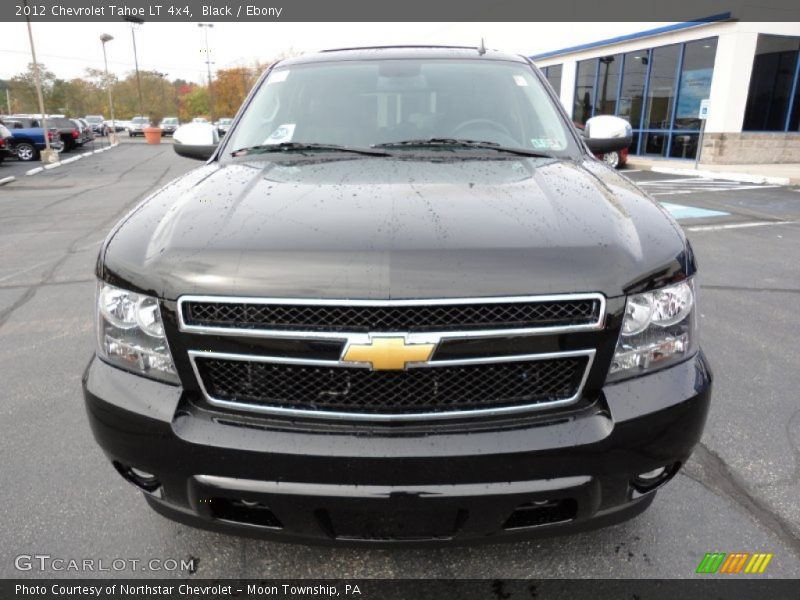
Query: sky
178	49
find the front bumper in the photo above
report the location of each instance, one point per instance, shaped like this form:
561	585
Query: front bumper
311	483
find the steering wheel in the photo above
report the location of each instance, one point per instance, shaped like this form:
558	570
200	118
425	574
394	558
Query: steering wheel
472	122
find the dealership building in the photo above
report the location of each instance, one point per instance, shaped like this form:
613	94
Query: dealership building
748	73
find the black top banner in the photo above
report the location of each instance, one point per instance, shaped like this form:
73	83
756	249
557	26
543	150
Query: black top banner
405	11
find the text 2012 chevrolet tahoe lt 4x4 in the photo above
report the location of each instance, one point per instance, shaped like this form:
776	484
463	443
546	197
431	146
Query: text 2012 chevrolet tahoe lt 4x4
401	302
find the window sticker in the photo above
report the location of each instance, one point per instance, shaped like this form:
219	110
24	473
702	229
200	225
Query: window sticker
282	134
520	80
545	144
278	76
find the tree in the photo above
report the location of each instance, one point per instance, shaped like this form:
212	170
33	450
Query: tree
195	103
23	89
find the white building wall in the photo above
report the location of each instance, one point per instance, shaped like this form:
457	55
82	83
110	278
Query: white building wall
567	93
732	64
731	81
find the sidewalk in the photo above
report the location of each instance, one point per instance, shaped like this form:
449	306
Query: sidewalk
776	174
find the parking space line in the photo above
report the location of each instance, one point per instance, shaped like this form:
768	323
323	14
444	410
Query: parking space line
6	180
34	171
736	225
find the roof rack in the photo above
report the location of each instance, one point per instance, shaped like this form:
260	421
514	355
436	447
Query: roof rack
400	47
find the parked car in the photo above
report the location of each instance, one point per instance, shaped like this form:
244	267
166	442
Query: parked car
6	142
28	138
68	130
117	125
169	125
97	123
85	134
223	125
136	126
199	120
429	314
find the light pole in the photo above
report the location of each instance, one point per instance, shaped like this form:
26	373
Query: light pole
47	155
134	21
206	27
112	135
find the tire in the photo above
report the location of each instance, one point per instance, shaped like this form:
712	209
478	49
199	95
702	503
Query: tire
26	152
612	159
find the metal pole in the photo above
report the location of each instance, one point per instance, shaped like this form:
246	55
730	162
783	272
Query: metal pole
700	144
138	79
38	81
206	27
8	101
113	133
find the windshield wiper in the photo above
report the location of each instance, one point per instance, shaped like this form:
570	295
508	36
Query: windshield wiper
301	146
464	144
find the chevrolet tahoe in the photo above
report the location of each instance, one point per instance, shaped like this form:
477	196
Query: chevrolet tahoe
400	302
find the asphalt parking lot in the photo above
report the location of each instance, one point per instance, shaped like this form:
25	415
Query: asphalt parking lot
739	493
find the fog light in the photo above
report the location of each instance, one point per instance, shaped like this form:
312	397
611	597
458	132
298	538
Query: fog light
652	475
147	482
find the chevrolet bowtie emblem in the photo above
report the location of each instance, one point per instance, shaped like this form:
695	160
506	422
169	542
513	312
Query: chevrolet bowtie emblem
388	353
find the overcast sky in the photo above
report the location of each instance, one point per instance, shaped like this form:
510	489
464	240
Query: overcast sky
176	49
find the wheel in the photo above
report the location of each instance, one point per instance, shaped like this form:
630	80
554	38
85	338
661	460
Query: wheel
130	133
26	152
612	159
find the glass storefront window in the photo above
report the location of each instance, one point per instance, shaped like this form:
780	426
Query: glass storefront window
553	75
771	83
661	90
655	142
584	90
695	82
607	80
684	145
794	120
645	87
632	93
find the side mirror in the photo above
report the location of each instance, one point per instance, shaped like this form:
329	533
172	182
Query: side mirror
196	140
605	133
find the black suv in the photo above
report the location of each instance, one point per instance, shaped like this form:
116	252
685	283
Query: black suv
401	302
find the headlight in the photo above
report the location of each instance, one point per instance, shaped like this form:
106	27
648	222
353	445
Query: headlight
658	330
130	334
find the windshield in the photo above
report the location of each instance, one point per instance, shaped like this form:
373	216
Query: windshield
368	103
138	120
94	119
170	121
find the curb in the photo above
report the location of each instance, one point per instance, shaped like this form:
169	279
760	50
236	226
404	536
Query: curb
6	180
740	177
724	175
66	161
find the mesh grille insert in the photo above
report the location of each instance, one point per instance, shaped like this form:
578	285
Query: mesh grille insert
416	318
417	390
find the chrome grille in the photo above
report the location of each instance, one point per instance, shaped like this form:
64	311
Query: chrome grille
388	317
417	390
237	374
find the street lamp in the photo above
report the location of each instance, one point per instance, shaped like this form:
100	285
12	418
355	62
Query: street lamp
134	21
206	27
112	136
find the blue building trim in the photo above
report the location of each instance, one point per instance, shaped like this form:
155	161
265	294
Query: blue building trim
635	36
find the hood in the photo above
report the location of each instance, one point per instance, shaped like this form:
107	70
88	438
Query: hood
377	227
